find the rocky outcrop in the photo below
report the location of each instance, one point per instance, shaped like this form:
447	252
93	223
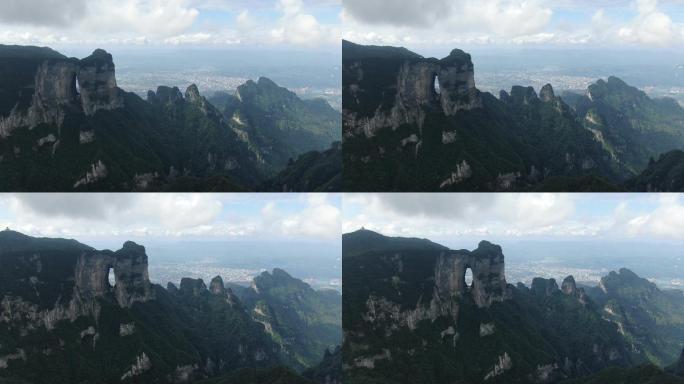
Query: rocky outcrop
66	85
129	264
141	365
87	272
216	286
503	364
522	95
419	86
461	173
193	287
165	95
98	171
546	94
97	83
544	287
489	281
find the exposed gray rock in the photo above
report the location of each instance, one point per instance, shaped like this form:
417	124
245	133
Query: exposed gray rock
462	172
569	287
503	364
85	137
98	171
489	281
141	365
97	83
449	137
126	329
216	286
414	93
546	93
487	329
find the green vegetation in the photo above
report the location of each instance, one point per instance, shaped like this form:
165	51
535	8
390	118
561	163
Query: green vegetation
518	142
546	334
306	323
645	374
664	174
313	171
180	334
166	143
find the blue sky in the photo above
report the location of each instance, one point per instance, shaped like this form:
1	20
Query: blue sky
556	23
441	217
311	24
143	217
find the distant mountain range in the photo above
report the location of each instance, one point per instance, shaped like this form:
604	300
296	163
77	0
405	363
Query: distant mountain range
420	124
61	321
410	316
66	126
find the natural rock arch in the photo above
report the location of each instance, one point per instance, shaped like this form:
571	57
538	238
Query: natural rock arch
487	266
131	277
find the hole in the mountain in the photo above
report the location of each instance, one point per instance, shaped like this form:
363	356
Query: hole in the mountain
111	278
469	277
435	82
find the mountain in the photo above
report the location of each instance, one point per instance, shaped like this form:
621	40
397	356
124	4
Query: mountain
329	370
420	124
363	240
663	175
629	124
65	125
313	171
304	322
409	315
651	319
62	321
276	124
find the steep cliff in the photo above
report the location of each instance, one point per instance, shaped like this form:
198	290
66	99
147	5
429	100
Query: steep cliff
70	313
411	316
65	85
420	124
65	125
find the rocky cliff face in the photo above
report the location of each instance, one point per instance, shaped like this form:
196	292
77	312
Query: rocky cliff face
63	85
65	281
97	83
410	87
487	265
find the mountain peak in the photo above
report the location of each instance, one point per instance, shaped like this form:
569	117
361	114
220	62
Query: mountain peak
192	94
216	286
266	82
546	93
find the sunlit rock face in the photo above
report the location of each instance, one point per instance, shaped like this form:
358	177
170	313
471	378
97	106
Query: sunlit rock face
489	280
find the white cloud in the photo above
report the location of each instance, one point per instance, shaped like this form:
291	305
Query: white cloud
297	27
650	26
172	215
169	22
666	221
320	218
483	216
504	22
445	215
